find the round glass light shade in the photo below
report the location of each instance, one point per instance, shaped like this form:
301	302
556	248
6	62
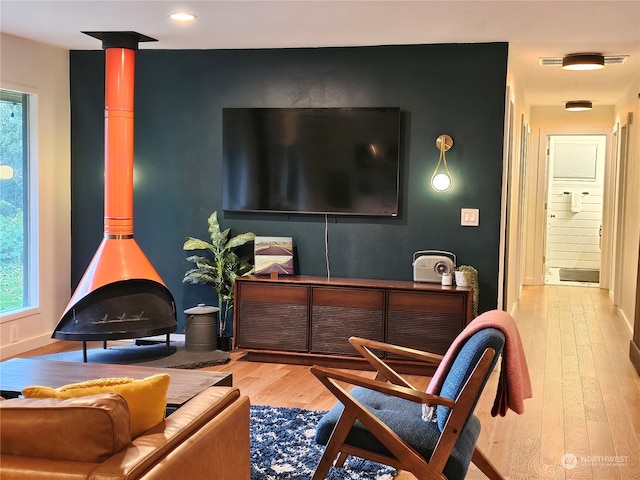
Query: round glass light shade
441	182
6	172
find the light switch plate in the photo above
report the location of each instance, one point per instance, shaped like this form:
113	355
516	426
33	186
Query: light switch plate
469	217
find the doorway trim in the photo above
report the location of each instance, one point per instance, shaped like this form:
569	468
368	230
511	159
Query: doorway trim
609	191
621	152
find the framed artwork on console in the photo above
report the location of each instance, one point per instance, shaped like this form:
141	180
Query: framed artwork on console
273	254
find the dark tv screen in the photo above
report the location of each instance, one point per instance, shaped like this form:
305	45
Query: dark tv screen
337	161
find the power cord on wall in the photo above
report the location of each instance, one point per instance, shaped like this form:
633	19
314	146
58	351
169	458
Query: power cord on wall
326	245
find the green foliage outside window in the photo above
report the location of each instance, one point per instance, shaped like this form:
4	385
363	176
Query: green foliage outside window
13	201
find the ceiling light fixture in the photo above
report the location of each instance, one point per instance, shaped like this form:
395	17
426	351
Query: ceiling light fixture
583	61
578	106
608	60
182	17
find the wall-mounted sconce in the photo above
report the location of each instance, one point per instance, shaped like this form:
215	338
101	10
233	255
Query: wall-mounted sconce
578	106
441	180
6	172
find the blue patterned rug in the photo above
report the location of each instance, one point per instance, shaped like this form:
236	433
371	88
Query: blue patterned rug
283	448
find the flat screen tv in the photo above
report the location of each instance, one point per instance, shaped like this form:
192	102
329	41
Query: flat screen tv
335	161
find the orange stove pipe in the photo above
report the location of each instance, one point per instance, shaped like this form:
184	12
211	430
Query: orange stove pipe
118	257
118	143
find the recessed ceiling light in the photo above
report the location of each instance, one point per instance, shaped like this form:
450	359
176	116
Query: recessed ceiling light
182	17
578	106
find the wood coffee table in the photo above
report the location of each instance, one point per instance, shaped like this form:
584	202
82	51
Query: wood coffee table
18	373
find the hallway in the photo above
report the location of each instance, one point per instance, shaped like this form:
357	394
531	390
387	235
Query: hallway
583	421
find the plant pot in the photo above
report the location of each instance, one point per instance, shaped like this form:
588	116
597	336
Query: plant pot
224	343
462	279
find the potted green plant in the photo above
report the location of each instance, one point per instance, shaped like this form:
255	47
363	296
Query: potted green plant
220	268
467	276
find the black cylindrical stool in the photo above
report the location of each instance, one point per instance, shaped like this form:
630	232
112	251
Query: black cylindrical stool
200	328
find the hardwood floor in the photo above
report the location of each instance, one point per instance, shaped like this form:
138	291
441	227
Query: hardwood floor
586	403
585	412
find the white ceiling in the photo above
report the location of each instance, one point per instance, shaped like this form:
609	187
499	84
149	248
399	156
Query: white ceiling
532	28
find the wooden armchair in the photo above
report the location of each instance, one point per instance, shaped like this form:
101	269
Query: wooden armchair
381	419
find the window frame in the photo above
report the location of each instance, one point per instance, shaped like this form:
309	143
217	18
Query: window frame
31	280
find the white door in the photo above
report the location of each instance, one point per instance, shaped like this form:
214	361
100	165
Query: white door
574	206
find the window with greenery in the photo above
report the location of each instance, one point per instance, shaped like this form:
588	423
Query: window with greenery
15	258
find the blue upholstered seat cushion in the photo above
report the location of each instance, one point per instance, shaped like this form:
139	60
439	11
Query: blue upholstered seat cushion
405	418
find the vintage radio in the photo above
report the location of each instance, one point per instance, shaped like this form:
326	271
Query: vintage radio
430	265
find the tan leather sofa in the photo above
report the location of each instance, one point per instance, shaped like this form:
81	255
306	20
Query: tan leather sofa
88	438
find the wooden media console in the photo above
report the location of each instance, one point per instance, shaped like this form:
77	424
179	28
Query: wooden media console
308	320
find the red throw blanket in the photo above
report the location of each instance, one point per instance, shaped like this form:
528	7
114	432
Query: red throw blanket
514	384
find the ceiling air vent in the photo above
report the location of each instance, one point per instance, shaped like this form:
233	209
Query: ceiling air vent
557	61
615	59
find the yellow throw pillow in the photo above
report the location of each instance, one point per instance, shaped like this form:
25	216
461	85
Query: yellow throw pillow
146	398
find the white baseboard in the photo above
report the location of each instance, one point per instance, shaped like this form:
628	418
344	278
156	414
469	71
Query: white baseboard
626	322
21	347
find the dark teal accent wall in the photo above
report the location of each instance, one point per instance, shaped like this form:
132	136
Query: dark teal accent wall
458	89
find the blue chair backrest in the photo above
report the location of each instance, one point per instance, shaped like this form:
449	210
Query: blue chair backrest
464	363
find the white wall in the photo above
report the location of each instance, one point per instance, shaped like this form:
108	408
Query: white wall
626	294
514	195
43	70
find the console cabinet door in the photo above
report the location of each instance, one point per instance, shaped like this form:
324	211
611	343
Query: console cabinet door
272	317
339	313
425	321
